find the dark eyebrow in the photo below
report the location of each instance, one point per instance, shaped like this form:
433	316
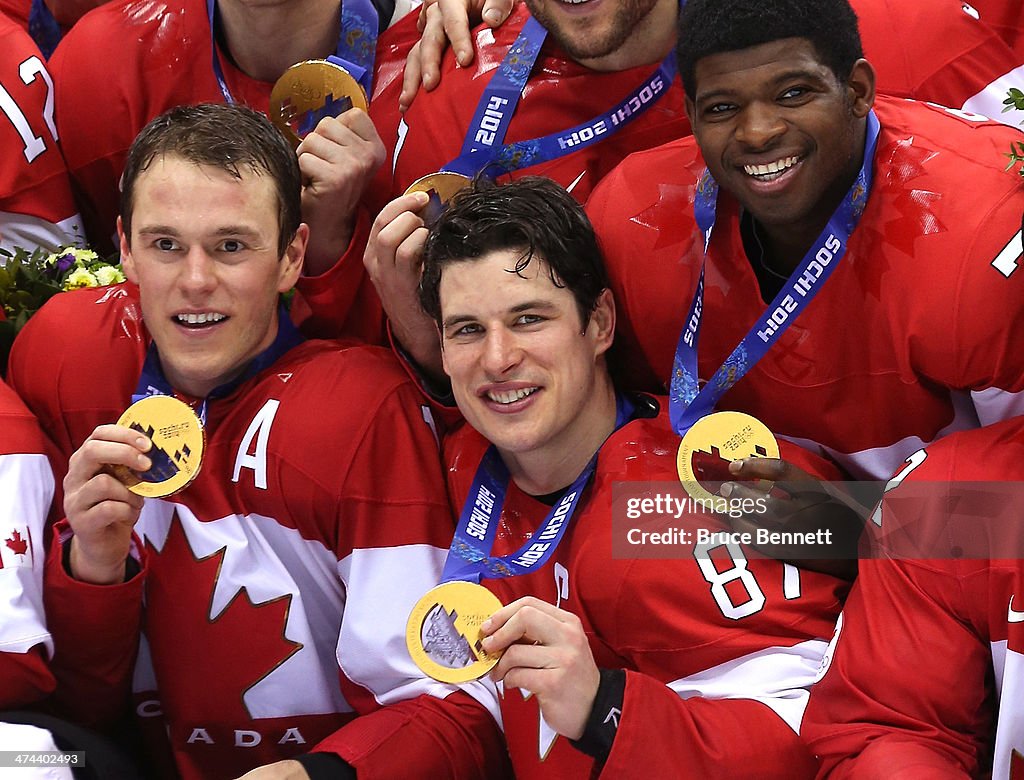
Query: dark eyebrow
537	305
798	74
456	319
227	230
162	230
236	230
793	74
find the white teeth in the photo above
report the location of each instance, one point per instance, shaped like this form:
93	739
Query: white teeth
575	2
771	170
510	396
200	319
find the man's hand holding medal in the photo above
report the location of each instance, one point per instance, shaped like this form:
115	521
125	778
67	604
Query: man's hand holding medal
154	450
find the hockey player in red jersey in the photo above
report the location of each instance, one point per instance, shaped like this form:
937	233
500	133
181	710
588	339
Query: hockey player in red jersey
36	209
917	331
156	57
26	488
925	671
291	561
633	667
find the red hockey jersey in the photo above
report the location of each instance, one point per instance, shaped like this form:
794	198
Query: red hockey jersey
927	666
26	489
917	333
718	653
938	50
277	585
36	208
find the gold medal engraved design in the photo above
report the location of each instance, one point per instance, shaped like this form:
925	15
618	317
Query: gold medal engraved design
309	91
177	452
441	187
443	632
713	443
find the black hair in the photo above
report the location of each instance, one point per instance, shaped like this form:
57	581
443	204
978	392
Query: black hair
532	215
709	27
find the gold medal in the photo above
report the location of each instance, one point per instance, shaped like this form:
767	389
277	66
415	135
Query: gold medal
441	187
714	442
307	92
178	442
443	632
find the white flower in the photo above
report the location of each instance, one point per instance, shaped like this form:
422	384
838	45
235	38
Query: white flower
80	278
109	274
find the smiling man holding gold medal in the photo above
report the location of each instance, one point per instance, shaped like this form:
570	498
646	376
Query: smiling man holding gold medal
155	57
606	660
277	504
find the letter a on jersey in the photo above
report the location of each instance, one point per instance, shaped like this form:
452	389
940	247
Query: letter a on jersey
259	429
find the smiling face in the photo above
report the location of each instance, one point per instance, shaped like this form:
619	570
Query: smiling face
609	35
525	371
204	252
780	132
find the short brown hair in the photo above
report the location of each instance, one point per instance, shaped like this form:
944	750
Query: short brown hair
226	137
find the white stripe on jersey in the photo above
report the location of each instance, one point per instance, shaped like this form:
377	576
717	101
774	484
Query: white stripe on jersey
1009	676
26	490
779	677
384	585
994	405
989	101
31	232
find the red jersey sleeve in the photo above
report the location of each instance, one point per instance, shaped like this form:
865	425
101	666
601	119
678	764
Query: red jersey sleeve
96	632
720	738
341	302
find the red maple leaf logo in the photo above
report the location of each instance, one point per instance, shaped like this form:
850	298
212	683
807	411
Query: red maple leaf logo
205	665
16	544
712	468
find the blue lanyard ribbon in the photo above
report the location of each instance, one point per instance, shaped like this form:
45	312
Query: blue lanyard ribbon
356	50
43	28
153	382
469	557
484	145
688	402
